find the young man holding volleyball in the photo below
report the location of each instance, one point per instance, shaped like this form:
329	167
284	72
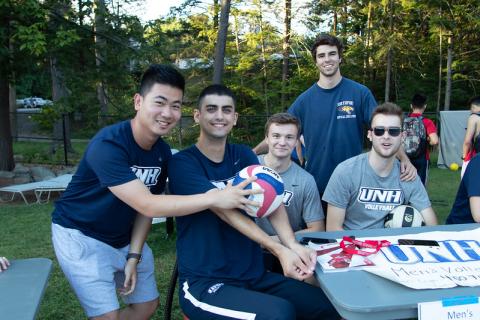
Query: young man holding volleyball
219	255
364	189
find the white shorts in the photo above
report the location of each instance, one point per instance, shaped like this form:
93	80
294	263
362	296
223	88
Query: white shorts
95	270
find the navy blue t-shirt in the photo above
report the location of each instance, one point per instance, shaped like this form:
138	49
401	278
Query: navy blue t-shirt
469	187
332	125
112	158
207	247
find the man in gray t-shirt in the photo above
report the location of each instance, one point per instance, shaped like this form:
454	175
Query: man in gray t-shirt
301	198
364	189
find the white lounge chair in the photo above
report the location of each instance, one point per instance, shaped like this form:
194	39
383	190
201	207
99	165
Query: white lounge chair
57	184
39	188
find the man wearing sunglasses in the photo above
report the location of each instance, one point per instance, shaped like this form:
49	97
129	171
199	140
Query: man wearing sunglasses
363	189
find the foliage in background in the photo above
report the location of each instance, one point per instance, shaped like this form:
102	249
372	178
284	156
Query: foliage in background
253	65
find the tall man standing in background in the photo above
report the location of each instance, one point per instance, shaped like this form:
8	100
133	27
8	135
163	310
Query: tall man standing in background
333	113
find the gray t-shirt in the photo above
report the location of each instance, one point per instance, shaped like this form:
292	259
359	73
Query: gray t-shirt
367	197
300	198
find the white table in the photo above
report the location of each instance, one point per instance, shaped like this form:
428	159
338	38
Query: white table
22	287
359	295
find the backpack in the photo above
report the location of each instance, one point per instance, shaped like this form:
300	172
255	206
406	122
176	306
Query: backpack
415	143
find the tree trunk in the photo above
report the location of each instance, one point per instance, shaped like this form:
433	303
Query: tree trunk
448	84
12	93
440	60
99	30
81	17
237	42
345	17
6	148
221	43
215	14
388	76
264	58
366	63
286	51
335	21
61	130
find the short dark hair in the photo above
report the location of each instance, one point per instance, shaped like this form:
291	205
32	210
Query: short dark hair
474	101
329	40
216	89
419	101
282	118
162	74
387	108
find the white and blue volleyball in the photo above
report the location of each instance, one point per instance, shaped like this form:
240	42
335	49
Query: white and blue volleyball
404	216
268	180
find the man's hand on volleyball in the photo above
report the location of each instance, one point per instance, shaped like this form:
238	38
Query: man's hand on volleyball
237	197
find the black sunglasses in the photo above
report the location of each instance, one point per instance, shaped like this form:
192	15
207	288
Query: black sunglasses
392	131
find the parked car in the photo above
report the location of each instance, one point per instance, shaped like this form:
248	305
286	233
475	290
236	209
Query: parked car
33	102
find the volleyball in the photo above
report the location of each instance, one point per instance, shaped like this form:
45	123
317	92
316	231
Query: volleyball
454	166
268	180
404	216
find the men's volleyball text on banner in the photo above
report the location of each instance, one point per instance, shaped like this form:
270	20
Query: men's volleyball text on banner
455	261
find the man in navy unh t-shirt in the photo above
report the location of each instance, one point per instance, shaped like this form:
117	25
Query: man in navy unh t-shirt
220	264
97	234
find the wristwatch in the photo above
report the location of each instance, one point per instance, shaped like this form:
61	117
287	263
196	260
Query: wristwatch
137	256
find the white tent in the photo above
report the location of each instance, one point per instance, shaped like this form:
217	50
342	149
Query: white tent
452	132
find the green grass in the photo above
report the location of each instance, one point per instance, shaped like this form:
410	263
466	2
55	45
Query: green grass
25	233
442	188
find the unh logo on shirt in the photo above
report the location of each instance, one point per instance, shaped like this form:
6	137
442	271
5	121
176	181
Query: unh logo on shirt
380	199
345	110
148	175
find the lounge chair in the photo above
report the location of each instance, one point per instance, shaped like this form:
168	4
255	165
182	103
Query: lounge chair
57	184
39	188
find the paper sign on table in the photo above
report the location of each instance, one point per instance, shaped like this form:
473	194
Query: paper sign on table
459	308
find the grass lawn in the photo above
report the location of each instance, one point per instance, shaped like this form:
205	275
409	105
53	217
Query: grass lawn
25	233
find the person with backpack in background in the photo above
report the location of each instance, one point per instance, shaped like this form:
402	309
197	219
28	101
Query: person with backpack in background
471	143
418	132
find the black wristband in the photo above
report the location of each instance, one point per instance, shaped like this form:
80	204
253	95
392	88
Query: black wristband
137	256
